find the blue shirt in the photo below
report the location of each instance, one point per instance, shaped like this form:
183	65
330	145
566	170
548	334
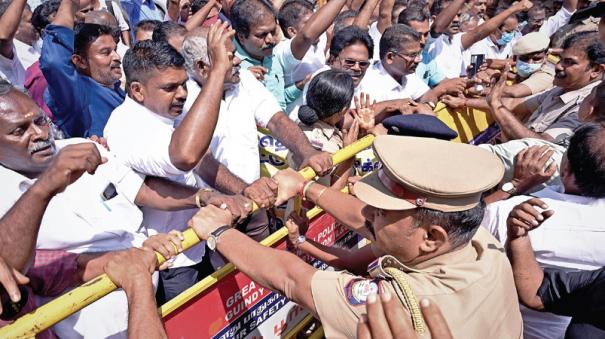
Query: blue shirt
428	71
139	10
278	64
81	106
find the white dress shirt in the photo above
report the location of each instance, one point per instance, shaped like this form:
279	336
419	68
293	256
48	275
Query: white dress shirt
381	86
12	70
571	239
79	220
314	59
491	50
555	22
376	36
235	142
141	139
26	53
448	54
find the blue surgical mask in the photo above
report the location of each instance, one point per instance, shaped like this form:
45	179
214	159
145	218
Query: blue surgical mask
505	38
525	69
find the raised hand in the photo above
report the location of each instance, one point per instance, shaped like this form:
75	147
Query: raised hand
364	111
219	38
69	165
526	216
531	169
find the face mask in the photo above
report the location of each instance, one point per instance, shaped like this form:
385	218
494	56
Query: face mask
505	39
525	69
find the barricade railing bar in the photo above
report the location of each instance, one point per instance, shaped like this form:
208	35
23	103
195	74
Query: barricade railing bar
71	302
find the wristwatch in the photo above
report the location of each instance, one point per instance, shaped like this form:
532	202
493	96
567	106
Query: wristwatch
509	188
300	240
214	235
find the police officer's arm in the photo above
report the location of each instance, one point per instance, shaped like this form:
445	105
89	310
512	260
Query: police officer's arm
277	270
345	208
317	24
355	261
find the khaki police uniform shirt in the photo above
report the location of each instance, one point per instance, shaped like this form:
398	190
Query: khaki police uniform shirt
473	287
542	79
323	137
556	113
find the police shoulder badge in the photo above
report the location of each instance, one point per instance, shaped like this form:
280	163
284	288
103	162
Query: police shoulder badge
357	290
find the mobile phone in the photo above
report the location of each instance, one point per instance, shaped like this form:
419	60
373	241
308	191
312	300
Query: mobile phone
10	309
476	62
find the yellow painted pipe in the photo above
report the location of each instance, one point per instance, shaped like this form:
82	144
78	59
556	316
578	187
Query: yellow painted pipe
62	307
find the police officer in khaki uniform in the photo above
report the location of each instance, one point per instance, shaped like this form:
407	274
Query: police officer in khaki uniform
422	211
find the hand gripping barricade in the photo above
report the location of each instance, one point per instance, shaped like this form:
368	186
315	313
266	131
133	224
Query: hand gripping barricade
472	126
60	308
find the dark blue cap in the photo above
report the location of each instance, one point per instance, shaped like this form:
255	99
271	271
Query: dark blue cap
419	125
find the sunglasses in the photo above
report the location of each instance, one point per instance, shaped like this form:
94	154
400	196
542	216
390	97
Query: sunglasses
351	63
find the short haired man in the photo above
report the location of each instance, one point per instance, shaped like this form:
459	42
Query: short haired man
144	29
156	77
256	41
17	38
498	44
427	69
423	221
535	73
537	22
96	213
447	44
569	239
232	163
170	32
83	71
292	17
393	75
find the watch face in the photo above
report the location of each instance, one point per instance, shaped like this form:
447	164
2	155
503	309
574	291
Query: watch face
507	187
211	242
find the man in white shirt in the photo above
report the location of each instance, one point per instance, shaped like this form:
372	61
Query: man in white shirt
393	75
232	165
499	44
97	213
142	134
447	45
15	55
537	22
572	238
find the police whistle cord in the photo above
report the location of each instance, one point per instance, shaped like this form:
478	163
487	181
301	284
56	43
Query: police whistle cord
71	302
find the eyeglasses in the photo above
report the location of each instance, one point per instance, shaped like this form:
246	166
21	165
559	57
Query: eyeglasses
410	56
351	63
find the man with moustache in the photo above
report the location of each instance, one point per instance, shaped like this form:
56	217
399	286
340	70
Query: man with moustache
257	36
143	133
82	70
231	165
553	115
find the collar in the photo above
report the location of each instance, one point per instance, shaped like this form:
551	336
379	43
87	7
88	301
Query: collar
327	129
392	83
243	55
550	193
134	107
578	94
467	254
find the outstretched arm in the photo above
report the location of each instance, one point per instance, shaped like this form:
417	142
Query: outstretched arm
191	139
485	29
444	19
281	271
318	23
9	23
365	14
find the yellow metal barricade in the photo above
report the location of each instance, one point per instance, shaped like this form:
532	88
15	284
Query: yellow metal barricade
62	307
